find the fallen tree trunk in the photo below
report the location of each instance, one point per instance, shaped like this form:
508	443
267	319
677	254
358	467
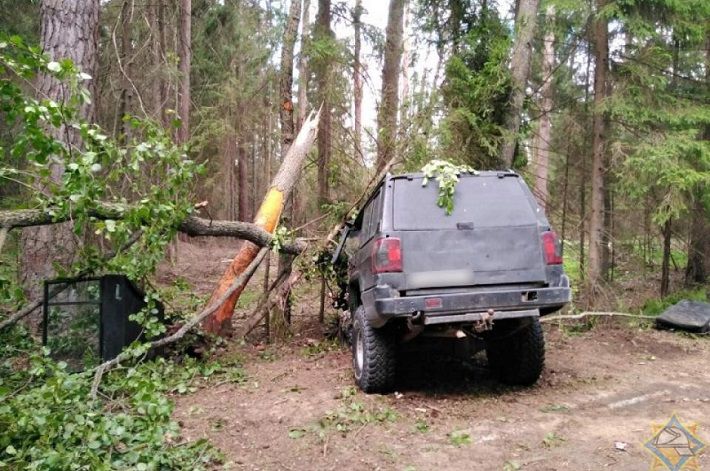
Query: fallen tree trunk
192	225
266	218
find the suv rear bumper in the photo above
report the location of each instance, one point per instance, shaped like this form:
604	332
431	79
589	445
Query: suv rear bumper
465	303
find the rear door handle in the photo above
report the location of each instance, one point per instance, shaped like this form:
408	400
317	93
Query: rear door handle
464	226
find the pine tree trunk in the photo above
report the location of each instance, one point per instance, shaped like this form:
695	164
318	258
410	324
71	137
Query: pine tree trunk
666	262
68	29
696	272
542	149
286	77
699	244
164	83
303	71
525	21
357	79
185	58
324	72
389	105
124	103
596	219
287	127
242	175
153	14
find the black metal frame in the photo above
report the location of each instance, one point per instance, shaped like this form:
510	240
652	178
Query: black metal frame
46	303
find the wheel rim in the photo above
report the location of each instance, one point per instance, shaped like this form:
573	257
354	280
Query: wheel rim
359	350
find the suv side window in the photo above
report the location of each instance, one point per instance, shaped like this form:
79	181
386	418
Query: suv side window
371	219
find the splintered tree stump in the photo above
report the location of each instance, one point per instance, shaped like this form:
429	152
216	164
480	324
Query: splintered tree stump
220	322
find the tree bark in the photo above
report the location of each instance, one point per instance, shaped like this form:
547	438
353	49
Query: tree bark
267	218
192	225
286	79
357	79
544	134
287	124
68	29
124	103
303	63
596	219
324	72
525	21
666	262
699	244
242	169
389	105
184	58
153	13
696	271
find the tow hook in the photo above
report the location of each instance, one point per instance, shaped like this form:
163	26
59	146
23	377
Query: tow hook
485	323
415	326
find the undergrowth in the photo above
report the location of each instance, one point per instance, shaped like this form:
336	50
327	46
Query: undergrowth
656	306
48	421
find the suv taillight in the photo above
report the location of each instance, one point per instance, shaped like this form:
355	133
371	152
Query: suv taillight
387	255
551	248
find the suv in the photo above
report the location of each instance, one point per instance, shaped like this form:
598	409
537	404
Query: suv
485	272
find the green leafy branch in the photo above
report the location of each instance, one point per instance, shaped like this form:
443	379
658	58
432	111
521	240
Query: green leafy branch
446	175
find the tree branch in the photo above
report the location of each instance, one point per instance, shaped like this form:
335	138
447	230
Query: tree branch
595	314
192	225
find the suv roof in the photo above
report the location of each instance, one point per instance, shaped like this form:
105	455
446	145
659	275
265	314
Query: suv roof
482	173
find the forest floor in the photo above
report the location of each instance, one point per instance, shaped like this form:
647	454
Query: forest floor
603	388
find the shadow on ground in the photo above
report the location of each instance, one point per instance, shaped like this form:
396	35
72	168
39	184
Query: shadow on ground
445	367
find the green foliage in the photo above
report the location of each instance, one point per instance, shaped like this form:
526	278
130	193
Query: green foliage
662	106
47	419
459	438
446	175
552	440
52	425
353	414
476	93
421	426
149	167
654	307
281	236
317	349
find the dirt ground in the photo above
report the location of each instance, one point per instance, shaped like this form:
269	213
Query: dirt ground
601	389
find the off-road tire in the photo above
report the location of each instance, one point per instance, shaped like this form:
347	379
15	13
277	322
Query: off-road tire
516	351
374	364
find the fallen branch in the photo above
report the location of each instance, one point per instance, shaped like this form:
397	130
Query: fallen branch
238	283
22	313
595	314
3	235
266	304
192	225
333	234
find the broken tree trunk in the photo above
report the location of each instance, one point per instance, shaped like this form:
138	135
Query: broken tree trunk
266	218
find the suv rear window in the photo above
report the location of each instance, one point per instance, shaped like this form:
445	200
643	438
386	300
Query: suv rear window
481	200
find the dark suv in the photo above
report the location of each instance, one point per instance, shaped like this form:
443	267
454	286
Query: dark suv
486	272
